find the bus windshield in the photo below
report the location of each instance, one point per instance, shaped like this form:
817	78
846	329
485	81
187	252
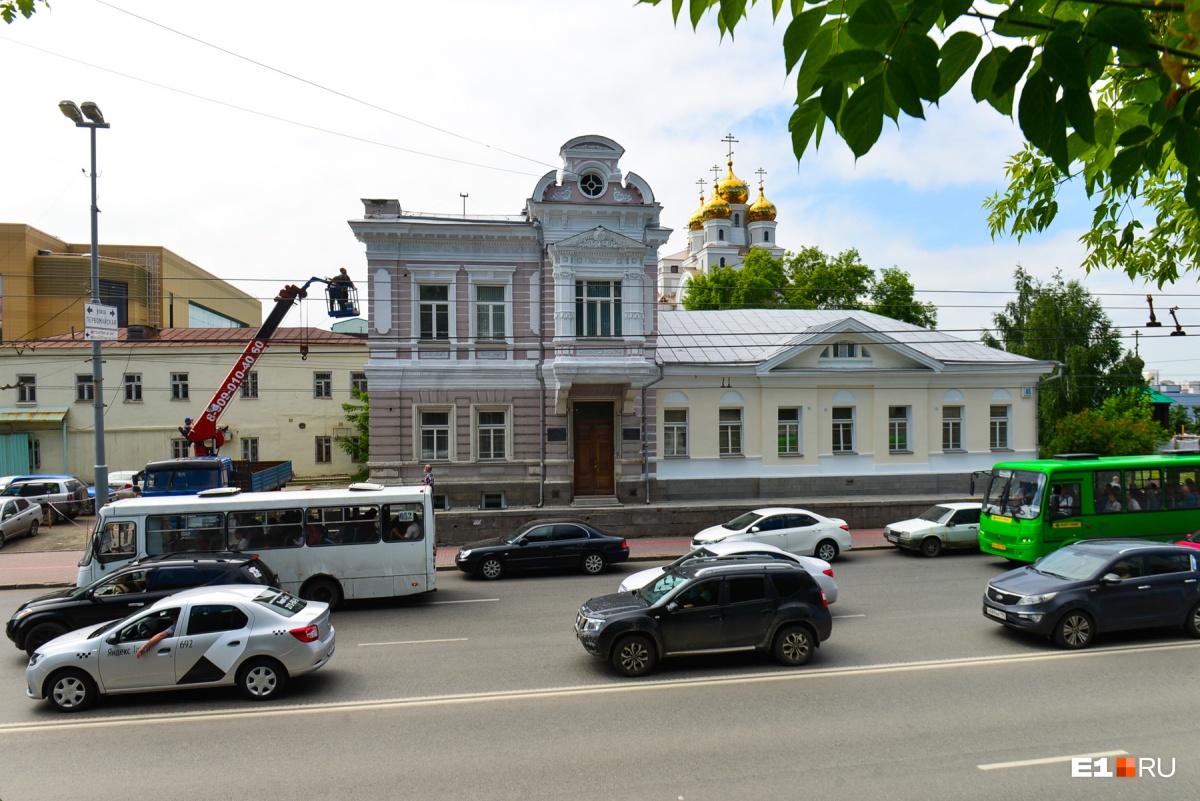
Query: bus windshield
1015	493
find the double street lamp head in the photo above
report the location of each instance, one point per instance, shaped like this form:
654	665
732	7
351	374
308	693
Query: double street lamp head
76	114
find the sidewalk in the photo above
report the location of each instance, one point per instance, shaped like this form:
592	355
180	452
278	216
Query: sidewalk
49	569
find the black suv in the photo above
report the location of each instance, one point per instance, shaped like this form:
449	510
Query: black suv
707	608
129	589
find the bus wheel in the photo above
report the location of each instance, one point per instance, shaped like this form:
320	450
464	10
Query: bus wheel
931	546
1192	625
324	590
1074	630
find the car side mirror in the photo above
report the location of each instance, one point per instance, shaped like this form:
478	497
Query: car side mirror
1111	578
111	639
672	607
755	530
522	542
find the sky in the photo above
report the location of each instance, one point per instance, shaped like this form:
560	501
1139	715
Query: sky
244	140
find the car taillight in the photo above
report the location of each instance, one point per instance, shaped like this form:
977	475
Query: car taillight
624	544
306	634
828	571
824	602
844	527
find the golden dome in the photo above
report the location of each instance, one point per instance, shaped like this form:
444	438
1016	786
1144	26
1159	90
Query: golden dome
762	210
733	189
716	209
697	220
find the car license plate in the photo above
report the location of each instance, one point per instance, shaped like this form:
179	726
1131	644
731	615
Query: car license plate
999	546
996	613
890	537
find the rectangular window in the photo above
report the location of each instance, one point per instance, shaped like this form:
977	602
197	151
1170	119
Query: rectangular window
85	390
27	389
324	449
492	500
250	449
898	429
250	385
322	385
999	427
435	436
179	448
434	312
491	433
179	386
843	429
489	312
133	387
675	433
356	454
952	421
729	432
789	432
35	453
597	308
358	381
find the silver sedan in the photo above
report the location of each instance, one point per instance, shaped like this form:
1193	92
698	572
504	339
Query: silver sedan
19	518
723	551
254	638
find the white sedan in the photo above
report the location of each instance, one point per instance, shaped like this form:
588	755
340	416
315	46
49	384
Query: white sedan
251	637
797	531
818	568
947	525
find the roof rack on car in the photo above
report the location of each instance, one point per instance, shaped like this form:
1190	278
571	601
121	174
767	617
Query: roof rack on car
191	555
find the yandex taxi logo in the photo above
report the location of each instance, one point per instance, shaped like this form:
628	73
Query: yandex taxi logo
1121	768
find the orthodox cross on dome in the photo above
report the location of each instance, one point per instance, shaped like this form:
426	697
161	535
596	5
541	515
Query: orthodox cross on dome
728	139
716	171
702	182
760	172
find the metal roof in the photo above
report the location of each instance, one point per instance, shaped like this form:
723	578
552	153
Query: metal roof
748	336
197	337
42	414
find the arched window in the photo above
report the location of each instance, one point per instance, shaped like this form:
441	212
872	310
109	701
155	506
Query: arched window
722	261
766	236
737	221
721	234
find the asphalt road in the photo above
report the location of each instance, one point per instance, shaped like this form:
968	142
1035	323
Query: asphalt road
480	691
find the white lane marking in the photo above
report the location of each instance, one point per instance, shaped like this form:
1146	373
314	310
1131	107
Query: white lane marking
1025	763
843	617
410	642
611	688
467	601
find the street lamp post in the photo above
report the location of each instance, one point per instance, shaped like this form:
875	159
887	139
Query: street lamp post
94	120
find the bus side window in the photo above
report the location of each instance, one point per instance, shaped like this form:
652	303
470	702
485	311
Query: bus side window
118	541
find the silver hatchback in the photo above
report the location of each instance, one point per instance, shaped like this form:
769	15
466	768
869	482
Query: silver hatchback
251	637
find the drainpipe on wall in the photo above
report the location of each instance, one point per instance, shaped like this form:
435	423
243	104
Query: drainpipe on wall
541	329
645	455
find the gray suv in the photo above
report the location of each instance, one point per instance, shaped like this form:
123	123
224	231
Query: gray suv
763	605
59	495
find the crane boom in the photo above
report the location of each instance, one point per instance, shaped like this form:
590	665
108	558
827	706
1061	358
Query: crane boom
205	436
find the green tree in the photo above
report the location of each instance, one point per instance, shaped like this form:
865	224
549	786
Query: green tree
1106	94
1122	426
1061	321
810	279
358	414
9	9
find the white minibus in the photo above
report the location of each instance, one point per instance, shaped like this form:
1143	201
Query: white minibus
365	541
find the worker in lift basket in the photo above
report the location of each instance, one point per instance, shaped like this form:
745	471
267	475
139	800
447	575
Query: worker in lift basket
186	428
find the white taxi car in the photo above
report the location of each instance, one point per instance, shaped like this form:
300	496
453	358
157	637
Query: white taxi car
946	525
250	636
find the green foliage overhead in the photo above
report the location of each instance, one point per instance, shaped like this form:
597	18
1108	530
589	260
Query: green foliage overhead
810	279
9	9
1101	90
1061	321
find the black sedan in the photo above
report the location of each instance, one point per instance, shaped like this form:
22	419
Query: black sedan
543	545
1096	586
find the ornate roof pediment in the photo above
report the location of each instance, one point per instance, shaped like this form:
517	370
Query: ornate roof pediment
599	239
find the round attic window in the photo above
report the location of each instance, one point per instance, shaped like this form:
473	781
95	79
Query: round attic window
591	185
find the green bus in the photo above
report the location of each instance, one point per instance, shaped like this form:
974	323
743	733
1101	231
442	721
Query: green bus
1033	508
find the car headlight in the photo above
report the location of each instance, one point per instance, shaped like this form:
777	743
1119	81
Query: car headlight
591	625
33	660
22	613
1033	600
464	554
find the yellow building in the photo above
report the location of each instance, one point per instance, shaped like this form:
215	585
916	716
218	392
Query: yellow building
44	282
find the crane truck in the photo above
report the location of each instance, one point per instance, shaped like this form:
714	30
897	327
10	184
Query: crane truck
207	469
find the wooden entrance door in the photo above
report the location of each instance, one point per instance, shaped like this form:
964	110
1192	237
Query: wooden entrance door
594	444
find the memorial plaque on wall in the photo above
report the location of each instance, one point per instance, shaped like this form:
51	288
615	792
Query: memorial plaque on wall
631	434
556	434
